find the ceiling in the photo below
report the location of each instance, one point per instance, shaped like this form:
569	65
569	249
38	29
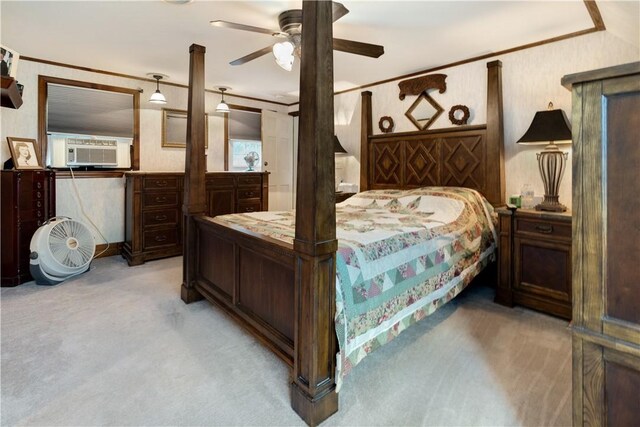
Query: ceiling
139	37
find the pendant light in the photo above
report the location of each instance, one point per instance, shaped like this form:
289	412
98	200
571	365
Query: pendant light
222	107
157	97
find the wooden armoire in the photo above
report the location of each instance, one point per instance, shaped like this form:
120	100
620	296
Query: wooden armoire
606	245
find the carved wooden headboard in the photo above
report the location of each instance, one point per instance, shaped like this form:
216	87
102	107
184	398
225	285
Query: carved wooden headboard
465	156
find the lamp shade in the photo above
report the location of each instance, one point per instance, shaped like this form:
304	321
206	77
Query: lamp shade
337	147
283	53
547	126
222	107
157	98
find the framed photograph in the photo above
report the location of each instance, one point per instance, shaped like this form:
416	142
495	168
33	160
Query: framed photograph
8	62
25	153
174	128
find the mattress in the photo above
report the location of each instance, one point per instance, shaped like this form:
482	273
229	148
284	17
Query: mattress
401	255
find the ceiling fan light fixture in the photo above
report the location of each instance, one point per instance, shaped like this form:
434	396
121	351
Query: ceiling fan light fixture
157	97
283	53
222	106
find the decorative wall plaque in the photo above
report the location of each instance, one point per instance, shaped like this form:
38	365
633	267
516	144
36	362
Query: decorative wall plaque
421	84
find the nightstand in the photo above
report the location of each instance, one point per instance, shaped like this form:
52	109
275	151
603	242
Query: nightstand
534	267
341	196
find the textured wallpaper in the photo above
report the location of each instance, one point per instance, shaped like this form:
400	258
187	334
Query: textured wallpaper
530	79
104	198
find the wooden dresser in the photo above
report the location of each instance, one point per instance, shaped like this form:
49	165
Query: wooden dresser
28	200
153	208
606	246
535	260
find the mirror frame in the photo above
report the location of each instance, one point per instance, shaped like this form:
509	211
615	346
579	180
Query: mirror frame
424	96
178	144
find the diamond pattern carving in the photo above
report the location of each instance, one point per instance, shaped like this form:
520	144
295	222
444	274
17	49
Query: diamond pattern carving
436	159
463	162
387	163
422	163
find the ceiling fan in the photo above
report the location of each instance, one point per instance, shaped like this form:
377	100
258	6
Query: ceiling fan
290	33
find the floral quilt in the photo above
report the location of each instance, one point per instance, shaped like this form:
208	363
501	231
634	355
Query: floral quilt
401	255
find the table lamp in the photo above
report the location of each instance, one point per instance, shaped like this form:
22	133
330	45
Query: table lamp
550	127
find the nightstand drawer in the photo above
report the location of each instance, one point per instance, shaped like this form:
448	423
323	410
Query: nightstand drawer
543	228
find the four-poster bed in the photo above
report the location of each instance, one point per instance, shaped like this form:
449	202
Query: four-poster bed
284	291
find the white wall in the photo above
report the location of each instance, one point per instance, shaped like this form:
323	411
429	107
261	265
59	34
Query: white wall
530	79
103	199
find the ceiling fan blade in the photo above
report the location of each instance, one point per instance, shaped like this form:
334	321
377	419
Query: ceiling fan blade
358	48
252	56
339	11
233	25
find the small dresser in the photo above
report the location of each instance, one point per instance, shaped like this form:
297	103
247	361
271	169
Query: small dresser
153	208
28	200
534	269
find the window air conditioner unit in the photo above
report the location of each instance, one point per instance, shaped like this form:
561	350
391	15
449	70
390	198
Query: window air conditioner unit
79	151
92	152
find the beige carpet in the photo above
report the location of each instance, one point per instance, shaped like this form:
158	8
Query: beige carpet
117	346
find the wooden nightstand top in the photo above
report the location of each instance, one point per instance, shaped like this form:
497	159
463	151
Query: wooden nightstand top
532	213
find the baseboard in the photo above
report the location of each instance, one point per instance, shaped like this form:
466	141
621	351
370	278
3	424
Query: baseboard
114	249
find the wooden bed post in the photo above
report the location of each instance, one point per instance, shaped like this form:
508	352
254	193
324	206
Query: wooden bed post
366	129
495	134
313	394
194	175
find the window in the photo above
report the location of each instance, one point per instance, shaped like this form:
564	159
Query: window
242	129
240	148
77	109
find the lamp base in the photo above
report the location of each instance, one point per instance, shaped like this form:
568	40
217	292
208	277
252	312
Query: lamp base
551	204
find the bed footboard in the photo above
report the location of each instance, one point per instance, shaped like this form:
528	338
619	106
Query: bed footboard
251	277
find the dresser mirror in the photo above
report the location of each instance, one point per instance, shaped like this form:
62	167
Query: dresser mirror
174	128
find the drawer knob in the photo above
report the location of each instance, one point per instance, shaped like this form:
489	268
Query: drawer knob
161	238
39	195
249	193
544	229
161	217
161	183
161	199
39	185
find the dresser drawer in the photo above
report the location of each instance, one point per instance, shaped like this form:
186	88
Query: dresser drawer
162	237
543	228
249	180
249	206
159	183
249	193
160	217
160	199
219	182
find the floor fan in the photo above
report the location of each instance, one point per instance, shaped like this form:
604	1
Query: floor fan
61	248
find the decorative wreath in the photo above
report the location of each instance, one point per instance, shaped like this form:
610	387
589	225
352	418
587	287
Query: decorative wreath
465	114
386	124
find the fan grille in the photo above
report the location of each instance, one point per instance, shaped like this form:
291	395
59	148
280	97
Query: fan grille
71	244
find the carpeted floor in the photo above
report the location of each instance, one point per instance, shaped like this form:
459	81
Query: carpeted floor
117	346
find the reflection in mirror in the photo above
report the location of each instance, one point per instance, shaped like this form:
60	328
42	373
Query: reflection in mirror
174	128
424	111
